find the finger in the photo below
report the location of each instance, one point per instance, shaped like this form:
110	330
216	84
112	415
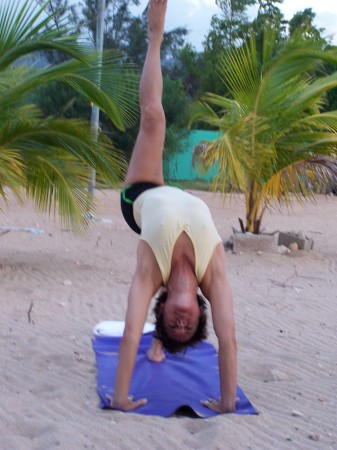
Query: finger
142	402
205	403
213	406
137	404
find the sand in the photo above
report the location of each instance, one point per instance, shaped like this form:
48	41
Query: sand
55	287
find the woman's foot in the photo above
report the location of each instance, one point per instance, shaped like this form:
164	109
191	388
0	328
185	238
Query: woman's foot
156	352
156	19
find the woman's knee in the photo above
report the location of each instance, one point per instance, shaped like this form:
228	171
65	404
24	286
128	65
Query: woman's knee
152	116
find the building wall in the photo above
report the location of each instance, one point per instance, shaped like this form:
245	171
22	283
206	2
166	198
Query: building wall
179	167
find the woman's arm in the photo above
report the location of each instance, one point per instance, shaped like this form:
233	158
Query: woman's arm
223	320
216	288
146	281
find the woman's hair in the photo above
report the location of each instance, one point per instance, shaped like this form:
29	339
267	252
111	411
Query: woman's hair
160	332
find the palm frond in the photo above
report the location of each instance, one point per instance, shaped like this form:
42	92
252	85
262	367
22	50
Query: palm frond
12	174
24	30
50	158
301	179
275	141
115	92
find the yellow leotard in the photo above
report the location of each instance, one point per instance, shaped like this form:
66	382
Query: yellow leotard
163	214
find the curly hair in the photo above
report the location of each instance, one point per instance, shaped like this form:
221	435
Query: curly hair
160	332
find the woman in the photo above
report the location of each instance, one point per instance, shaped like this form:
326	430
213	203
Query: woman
179	248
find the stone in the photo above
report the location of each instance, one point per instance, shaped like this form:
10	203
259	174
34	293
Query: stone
314	437
253	243
283	250
296	413
303	242
278	375
293	247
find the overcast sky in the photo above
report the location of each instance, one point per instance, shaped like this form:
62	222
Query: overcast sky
196	15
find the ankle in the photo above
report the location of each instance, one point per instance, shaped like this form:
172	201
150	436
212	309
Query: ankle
155	37
154	40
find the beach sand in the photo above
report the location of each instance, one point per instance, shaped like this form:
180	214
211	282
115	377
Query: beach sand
56	286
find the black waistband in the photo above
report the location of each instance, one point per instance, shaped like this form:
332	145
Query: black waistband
128	196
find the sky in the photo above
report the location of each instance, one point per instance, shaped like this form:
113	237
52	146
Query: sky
196	16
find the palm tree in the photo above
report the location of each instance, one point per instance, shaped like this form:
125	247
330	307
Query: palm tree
49	158
274	137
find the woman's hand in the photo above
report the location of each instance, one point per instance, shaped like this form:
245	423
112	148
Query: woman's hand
128	405
220	406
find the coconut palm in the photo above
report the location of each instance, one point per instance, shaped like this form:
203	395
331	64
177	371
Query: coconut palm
274	137
49	158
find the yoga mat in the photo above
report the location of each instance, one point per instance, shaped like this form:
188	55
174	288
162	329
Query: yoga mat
179	382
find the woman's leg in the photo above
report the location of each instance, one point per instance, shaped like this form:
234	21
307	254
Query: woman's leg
146	161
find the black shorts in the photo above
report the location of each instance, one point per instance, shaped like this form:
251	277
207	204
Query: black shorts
128	196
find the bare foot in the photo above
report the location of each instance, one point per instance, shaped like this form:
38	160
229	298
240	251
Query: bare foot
156	352
156	18
155	357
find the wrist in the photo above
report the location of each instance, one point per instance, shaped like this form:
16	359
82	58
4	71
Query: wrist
228	404
117	402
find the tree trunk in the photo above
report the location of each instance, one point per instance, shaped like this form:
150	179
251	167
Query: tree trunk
95	109
252	209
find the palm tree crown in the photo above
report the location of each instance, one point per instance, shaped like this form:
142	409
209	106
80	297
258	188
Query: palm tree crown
275	139
49	158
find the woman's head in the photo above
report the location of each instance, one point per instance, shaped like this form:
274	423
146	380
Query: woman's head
179	326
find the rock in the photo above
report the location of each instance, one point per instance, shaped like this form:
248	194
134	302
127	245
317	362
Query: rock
296	413
283	250
252	243
278	375
67	283
301	235
228	245
303	242
293	247
314	437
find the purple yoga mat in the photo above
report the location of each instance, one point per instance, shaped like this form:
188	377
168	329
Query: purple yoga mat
178	383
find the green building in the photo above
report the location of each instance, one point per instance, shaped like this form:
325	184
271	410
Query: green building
180	166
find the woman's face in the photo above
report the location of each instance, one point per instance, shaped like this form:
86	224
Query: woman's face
181	319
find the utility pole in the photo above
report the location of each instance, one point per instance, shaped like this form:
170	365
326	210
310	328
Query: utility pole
94	108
